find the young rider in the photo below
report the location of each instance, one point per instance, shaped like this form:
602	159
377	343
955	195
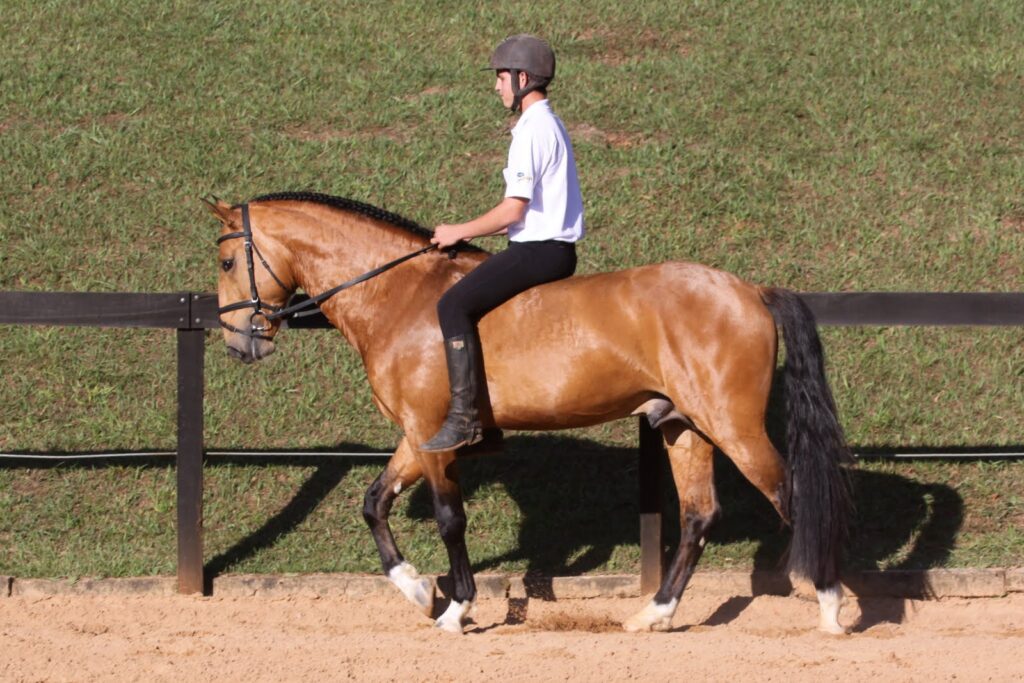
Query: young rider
542	213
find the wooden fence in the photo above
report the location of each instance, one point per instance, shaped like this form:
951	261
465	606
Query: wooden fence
191	314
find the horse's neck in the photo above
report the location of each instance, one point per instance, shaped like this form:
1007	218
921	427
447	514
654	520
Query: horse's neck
330	252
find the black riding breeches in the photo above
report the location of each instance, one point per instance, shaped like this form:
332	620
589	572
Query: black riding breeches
501	277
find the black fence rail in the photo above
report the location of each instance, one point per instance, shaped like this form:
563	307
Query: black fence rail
191	314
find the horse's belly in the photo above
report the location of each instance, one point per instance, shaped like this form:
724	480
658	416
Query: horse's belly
561	395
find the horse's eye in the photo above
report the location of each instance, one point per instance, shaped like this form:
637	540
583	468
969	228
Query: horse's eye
227	264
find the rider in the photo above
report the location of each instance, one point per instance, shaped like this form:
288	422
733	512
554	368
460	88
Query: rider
542	213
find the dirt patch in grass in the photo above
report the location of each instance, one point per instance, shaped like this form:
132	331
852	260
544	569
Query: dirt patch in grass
615	47
589	133
427	92
1013	221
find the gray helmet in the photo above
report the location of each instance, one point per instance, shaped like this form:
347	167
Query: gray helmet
527	54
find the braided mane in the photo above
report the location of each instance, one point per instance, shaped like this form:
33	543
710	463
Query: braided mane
347	205
356	207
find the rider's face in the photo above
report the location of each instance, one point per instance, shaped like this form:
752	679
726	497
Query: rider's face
503	86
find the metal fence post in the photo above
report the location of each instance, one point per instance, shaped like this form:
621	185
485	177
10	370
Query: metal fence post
652	555
190	460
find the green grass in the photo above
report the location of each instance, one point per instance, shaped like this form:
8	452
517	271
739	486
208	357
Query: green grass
305	516
855	146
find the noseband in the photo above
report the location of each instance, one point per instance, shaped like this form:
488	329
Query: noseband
268	312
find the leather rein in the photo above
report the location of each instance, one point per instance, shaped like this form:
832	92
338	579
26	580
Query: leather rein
270	312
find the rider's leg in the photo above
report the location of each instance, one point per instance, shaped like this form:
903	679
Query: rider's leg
490	284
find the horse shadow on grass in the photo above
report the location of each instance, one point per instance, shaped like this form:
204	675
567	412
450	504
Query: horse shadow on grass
578	503
329	473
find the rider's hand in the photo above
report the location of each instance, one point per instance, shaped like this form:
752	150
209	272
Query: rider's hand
446	235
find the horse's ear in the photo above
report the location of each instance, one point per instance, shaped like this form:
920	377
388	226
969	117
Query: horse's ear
219	208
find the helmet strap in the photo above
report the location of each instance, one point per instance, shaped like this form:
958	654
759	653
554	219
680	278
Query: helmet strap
519	93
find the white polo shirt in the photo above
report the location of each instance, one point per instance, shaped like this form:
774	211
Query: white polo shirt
541	168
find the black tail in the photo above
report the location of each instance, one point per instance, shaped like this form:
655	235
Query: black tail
820	502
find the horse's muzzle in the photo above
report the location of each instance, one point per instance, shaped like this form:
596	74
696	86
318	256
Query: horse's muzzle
256	351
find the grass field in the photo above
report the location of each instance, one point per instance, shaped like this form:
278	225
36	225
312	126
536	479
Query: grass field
850	146
290	516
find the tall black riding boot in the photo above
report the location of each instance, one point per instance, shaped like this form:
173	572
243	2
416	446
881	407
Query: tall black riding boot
462	427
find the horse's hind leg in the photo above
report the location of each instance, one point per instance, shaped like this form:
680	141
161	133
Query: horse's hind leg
402	471
693	473
758	461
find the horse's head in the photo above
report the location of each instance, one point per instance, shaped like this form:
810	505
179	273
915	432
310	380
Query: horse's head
254	283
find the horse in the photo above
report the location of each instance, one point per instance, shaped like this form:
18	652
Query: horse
690	347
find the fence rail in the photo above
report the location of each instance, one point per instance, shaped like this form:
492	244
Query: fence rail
190	310
191	314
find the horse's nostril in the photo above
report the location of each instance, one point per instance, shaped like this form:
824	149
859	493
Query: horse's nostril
235	353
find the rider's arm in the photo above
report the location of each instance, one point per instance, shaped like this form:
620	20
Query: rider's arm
495	222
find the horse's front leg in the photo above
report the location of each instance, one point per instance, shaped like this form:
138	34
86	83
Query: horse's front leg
403	471
440	470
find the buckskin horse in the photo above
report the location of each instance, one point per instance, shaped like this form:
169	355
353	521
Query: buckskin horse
690	347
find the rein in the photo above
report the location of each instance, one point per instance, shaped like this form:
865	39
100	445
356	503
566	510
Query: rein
270	312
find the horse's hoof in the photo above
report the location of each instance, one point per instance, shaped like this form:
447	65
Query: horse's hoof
451	620
833	629
423	596
639	624
830	601
653	617
417	589
450	626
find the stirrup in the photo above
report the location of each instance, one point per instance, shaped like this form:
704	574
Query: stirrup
493	442
451	437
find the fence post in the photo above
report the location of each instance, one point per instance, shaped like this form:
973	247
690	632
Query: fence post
190	460
652	555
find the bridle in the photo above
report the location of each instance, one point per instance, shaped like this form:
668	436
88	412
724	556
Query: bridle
269	312
260	309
